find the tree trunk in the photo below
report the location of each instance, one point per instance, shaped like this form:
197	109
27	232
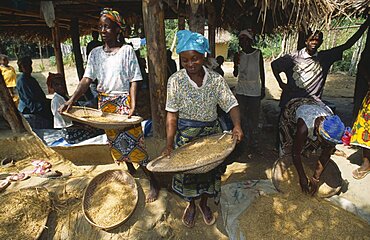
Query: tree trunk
181	26
196	18
153	16
40	52
57	51
75	33
211	27
9	110
301	43
283	42
362	84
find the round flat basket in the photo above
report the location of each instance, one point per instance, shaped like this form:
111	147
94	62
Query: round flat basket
110	199
24	213
99	119
285	176
199	156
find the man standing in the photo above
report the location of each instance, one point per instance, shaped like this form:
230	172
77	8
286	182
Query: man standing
248	67
306	69
93	43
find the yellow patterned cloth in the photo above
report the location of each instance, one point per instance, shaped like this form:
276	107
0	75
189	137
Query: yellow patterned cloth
361	127
9	75
126	145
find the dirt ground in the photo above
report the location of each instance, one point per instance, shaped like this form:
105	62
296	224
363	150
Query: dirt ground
161	219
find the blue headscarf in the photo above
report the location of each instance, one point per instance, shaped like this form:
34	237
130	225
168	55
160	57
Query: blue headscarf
191	41
332	129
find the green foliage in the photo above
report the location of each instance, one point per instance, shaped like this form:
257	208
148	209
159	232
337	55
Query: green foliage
233	47
42	67
170	31
52	61
143	52
270	45
345	63
69	59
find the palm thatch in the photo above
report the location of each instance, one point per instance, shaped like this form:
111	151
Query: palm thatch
22	21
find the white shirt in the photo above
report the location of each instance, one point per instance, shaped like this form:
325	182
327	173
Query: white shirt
308	113
114	71
59	121
198	103
249	79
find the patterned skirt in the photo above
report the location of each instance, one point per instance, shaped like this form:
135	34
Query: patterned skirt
190	186
126	145
288	127
361	127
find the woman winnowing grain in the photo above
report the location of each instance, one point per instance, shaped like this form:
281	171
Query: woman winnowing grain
116	67
192	97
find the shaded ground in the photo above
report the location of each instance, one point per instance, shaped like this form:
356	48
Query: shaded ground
161	219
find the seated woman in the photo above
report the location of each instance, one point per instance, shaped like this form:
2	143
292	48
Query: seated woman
308	124
192	97
33	103
71	132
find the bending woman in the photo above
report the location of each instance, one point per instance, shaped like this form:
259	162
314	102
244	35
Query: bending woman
116	67
307	124
192	97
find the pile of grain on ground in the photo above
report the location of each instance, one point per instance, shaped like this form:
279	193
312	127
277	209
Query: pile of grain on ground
289	182
23	213
200	152
111	203
299	216
290	179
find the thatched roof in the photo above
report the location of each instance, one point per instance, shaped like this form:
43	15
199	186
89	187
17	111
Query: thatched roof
290	14
23	21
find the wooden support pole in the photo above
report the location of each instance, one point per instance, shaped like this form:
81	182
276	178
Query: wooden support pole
153	16
211	12
361	84
181	22
9	110
301	43
75	33
181	26
57	50
196	18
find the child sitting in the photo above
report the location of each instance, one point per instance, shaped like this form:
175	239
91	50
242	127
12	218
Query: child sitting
72	132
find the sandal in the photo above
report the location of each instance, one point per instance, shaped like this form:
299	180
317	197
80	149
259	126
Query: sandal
212	221
41	166
360	174
18	177
189	225
55	174
4	184
6	162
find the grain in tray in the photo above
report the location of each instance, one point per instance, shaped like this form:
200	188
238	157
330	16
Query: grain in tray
200	152
111	203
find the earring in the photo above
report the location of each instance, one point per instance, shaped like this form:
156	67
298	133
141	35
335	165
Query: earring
118	38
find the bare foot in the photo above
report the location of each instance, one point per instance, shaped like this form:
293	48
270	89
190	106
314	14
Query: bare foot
153	192
188	218
208	217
